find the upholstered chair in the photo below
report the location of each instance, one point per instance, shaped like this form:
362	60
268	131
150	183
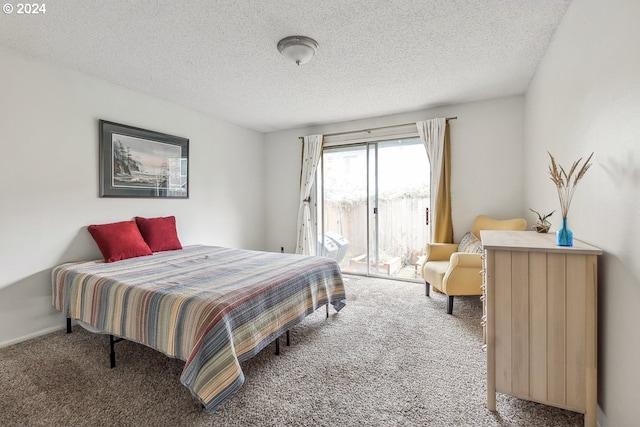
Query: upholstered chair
454	268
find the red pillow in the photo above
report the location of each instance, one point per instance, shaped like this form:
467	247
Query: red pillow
159	233
119	240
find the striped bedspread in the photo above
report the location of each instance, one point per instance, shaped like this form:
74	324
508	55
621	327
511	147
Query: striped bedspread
212	307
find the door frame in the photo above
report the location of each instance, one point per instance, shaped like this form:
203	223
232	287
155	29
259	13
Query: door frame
320	223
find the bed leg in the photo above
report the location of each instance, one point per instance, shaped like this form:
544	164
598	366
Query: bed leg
327	310
278	346
288	338
112	354
68	325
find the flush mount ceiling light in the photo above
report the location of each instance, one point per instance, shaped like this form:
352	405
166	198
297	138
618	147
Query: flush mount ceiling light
299	49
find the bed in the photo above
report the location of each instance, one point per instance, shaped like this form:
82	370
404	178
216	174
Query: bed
209	306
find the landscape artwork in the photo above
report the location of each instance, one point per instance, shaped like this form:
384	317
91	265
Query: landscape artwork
140	163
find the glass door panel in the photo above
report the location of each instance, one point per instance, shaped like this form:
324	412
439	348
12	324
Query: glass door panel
401	195
344	208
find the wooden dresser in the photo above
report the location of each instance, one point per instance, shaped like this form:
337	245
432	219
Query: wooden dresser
540	303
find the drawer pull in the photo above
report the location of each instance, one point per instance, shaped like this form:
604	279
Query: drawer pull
484	348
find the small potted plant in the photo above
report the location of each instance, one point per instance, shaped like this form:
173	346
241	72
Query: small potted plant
542	225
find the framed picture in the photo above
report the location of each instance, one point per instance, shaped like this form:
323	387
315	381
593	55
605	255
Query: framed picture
137	162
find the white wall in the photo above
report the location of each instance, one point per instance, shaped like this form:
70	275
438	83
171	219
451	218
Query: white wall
486	151
586	97
49	192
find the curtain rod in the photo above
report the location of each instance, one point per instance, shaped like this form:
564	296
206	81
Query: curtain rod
372	129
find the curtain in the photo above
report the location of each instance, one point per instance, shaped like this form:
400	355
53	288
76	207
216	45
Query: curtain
443	230
435	137
311	151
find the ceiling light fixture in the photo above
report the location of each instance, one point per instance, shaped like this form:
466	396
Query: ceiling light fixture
299	49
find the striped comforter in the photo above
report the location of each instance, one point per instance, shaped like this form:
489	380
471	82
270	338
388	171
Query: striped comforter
212	307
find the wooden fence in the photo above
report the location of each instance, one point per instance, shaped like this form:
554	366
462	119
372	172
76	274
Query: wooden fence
401	221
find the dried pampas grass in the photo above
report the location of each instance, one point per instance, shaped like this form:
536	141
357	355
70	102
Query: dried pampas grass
566	182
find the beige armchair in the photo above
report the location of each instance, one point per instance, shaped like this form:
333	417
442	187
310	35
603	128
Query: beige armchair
454	269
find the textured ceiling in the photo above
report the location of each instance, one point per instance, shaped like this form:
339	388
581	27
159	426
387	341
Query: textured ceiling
376	57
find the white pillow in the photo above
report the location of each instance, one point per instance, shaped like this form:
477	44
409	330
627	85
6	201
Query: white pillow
470	244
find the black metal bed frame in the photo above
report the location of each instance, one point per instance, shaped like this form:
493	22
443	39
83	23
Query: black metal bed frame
113	340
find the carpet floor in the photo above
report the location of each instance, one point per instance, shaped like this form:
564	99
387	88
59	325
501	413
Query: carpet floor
391	357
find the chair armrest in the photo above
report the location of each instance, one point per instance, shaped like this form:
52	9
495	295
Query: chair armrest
463	274
440	251
465	259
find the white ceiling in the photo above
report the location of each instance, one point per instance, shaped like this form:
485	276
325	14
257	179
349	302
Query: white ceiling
376	57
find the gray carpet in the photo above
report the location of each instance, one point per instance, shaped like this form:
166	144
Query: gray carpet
392	357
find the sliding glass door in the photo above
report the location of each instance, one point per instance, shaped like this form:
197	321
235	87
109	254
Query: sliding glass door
372	203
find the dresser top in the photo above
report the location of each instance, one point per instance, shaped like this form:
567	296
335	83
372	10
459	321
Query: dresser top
531	241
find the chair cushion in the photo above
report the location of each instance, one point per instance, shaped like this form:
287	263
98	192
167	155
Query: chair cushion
470	243
433	273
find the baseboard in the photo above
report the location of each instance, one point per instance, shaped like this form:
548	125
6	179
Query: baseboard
602	422
31	336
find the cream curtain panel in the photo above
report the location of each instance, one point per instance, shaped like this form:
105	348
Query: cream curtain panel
435	137
311	151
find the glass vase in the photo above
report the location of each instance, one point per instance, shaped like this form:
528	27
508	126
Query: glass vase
564	236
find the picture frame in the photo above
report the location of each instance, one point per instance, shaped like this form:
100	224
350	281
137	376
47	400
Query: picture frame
137	162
